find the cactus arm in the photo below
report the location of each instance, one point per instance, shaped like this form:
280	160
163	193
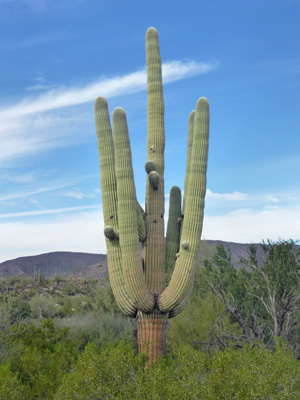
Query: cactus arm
140	209
182	277
109	204
173	229
154	245
141	223
189	155
181	306
127	217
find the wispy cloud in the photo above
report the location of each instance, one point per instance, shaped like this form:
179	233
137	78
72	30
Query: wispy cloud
45	212
76	193
50	187
81	229
107	87
246	225
28	126
235	196
39	87
78	231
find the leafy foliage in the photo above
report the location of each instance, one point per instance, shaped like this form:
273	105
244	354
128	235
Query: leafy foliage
250	373
85	348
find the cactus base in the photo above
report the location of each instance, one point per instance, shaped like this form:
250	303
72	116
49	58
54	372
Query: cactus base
151	335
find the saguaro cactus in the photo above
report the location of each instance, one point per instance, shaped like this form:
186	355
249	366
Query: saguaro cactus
139	280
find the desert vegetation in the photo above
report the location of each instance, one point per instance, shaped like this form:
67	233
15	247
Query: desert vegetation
237	339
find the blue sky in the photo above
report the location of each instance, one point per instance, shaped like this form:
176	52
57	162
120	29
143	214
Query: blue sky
58	56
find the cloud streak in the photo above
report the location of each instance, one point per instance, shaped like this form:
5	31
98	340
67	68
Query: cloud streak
235	196
46	212
106	87
251	226
44	121
82	230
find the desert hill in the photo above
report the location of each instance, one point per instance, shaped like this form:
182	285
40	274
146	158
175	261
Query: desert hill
87	265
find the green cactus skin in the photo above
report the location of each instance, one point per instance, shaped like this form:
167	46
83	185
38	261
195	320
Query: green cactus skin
154	246
185	245
138	282
109	203
150	166
189	153
141	223
178	289
127	216
109	232
154	179
173	229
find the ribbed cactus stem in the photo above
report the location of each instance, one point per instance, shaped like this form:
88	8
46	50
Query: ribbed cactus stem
180	284
138	283
173	229
141	223
127	215
188	155
154	248
109	203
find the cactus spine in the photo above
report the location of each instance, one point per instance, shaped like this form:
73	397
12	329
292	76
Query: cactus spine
139	282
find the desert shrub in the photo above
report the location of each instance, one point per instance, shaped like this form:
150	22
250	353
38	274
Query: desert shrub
58	279
10	386
43	306
70	289
245	374
12	325
46	353
19	310
196	326
253	374
17	280
104	299
100	328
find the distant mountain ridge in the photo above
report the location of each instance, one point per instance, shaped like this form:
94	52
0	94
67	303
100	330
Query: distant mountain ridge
86	265
63	263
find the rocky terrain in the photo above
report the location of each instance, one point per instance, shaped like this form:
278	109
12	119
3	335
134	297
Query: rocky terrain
85	265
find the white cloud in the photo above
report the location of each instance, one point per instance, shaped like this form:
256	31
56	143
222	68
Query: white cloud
246	225
38	87
106	87
271	199
235	196
49	188
45	212
81	232
26	129
81	229
75	193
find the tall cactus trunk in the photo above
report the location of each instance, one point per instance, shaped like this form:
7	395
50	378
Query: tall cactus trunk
151	335
157	285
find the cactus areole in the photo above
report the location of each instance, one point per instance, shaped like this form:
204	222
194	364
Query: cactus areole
139	280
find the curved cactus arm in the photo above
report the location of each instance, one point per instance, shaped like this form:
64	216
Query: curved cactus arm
173	229
178	289
141	222
127	216
181	306
154	245
140	209
109	204
188	155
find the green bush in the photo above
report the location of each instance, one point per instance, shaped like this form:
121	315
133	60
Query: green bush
70	289
10	386
44	306
246	374
100	328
